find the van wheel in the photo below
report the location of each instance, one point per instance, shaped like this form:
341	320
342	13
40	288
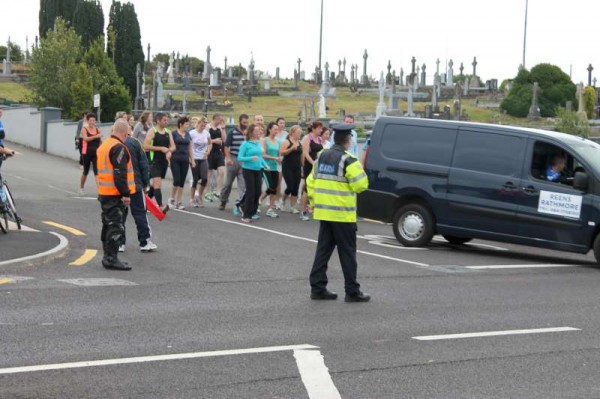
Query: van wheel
597	248
457	240
413	225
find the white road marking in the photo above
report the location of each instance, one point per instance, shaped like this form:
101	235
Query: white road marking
315	375
12	226
60	247
527	266
157	358
495	333
41	184
98	282
470	244
299	238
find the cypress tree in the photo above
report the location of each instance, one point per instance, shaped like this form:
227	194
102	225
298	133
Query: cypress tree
88	21
51	9
127	50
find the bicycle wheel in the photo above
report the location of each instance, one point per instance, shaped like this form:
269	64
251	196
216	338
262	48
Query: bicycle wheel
12	209
4	221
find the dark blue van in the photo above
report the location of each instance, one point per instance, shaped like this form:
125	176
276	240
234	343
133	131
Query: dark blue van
468	180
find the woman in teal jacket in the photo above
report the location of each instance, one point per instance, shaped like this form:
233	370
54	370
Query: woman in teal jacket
251	157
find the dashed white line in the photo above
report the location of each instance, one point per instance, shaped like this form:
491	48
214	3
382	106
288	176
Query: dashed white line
495	333
315	375
525	266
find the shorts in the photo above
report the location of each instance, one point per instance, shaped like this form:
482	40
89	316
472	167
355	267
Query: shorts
90	160
216	161
159	169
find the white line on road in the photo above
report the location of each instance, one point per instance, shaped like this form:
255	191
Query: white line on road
526	266
315	375
145	359
54	251
410	262
41	183
495	333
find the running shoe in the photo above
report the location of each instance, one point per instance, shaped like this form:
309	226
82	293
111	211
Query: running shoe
165	209
121	248
271	213
255	217
216	195
294	210
150	246
246	220
304	217
279	205
180	206
171	202
81	192
194	203
208	197
222	206
237	211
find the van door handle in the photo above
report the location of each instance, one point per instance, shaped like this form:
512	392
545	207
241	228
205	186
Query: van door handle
509	186
530	190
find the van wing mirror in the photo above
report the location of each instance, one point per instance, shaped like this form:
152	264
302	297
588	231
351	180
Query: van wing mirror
581	181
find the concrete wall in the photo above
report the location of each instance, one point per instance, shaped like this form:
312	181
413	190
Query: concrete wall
61	138
23	126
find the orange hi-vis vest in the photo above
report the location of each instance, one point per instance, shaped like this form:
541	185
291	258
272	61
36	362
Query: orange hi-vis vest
106	179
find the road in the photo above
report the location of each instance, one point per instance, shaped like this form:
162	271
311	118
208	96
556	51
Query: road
222	310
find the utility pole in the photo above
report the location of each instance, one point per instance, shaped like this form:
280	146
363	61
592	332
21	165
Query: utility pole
321	37
525	32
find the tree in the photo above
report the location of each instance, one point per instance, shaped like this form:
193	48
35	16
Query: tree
16	54
127	50
239	71
556	88
52	9
88	21
83	91
106	82
54	67
589	101
196	65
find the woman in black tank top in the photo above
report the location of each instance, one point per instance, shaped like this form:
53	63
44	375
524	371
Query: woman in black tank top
311	146
291	167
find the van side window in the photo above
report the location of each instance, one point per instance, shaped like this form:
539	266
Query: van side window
489	153
552	163
430	145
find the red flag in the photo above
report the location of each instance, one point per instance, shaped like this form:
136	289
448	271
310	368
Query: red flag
153	208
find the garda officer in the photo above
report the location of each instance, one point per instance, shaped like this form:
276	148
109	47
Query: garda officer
332	186
115	186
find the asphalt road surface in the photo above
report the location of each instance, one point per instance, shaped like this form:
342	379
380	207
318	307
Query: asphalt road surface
222	310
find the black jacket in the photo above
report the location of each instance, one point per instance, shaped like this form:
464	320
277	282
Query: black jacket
141	169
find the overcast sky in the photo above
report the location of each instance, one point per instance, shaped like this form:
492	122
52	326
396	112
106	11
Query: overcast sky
564	33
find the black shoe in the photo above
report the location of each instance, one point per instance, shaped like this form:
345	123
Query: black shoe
115	263
324	295
360	297
165	209
222	206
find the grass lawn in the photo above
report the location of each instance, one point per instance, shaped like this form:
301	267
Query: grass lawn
14	91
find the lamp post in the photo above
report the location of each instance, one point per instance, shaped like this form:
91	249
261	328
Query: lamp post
321	37
525	32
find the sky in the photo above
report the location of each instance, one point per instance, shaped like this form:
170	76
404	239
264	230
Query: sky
278	32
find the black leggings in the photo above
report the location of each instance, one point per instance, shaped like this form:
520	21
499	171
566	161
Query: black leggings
292	176
272	180
179	169
200	173
90	160
253	180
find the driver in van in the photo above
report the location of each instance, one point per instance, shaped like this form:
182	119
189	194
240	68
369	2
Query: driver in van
554	171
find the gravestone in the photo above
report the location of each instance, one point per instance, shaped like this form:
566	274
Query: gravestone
590	68
401	77
423	76
581	114
277	73
325	84
388	77
159	95
171	69
296	77
437	66
240	87
225	63
214	79
138	87
417	76
352	74
299	69
466	87
230	73
322	107
380	110
7	66
147	59
207	65
434	93
267	84
450	75
456	110
365	79
475	81
462	68
410	112
251	71
534	110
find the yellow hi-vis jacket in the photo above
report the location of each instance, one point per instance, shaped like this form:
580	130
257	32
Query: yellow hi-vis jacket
336	178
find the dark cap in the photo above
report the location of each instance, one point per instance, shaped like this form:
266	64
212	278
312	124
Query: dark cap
342	128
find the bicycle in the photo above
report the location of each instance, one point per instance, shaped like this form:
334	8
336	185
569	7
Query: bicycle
8	208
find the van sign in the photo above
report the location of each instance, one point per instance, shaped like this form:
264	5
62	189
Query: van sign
560	204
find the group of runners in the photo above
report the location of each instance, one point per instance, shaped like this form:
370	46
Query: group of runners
268	161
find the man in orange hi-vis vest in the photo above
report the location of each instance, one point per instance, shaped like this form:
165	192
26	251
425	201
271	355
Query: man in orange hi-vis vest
116	184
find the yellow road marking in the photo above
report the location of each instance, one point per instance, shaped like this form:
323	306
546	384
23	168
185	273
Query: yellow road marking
6	281
66	228
87	256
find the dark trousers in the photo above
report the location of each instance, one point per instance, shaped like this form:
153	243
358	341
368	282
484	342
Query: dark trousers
140	216
112	224
342	235
253	180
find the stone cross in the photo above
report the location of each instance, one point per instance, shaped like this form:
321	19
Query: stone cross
590	68
417	75
225	63
534	110
380	110
208	50
413	62
138	87
388	77
339	67
326	72
409	100
148	61
352	74
437	66
474	63
462	68
299	62
423	75
277	73
8	51
344	63
401	76
365	78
